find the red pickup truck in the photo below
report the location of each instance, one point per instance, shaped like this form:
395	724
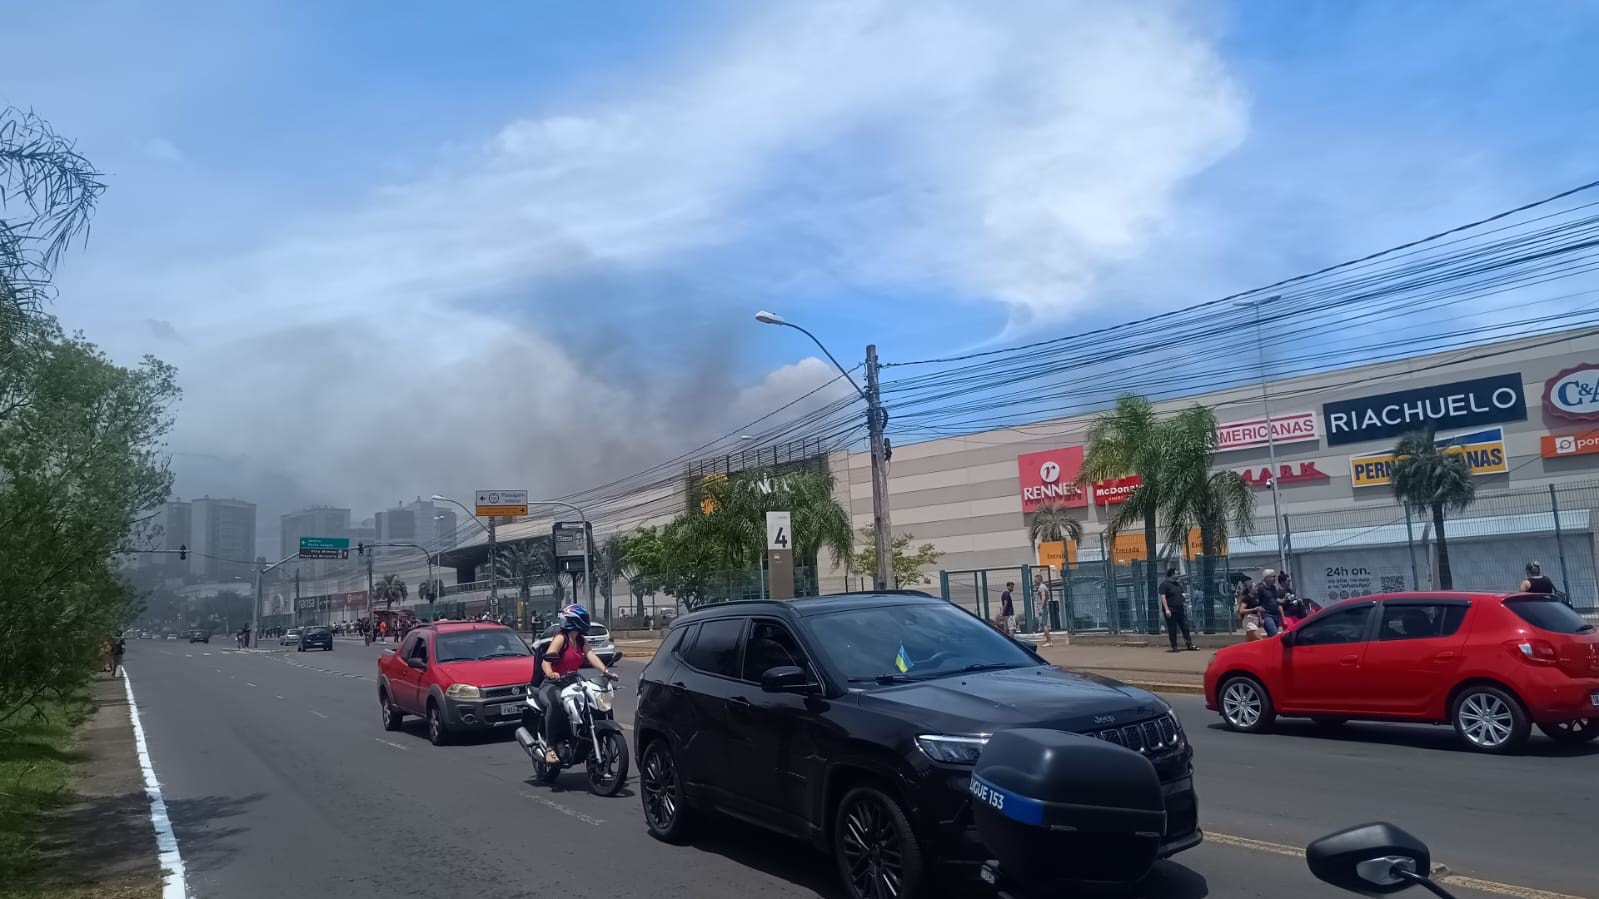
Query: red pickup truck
458	676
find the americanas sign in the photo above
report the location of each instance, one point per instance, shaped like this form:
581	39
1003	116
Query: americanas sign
1296	427
1573	394
1484	451
1462	404
1049	477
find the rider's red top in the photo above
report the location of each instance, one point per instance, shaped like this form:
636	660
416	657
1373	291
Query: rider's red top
572	656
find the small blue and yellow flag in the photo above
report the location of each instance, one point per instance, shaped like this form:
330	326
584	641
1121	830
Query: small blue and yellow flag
903	660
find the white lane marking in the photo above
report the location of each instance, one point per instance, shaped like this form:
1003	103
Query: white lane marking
317	713
395	745
205	653
248	684
188	655
170	860
565	810
278	697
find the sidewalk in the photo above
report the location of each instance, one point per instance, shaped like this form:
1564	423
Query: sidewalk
1148	667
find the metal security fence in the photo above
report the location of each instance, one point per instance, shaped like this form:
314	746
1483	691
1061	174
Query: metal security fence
1384	547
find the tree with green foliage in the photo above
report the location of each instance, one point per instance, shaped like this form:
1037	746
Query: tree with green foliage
909	565
1435	479
1220	504
389	591
1051	522
1125	442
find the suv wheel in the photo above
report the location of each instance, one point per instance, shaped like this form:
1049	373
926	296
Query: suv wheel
661	788
438	734
1246	706
1490	720
1580	730
876	851
391	715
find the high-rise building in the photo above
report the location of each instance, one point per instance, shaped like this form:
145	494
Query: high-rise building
435	524
175	523
319	521
222	538
396	524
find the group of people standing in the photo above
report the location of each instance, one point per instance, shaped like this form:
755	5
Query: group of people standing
1270	607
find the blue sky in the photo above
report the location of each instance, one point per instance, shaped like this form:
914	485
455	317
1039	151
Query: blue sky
365	230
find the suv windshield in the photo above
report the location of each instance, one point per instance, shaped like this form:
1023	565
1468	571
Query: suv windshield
911	641
476	645
1548	614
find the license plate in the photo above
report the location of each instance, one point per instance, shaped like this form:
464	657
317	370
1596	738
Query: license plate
511	708
1593	698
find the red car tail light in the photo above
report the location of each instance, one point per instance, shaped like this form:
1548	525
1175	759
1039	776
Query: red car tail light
1534	651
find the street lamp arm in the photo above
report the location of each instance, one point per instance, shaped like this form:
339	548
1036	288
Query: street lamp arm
819	345
469	513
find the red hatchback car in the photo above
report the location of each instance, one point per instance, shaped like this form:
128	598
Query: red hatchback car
1492	665
458	676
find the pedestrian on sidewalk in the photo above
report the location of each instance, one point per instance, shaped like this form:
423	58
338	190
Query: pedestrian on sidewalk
1172	603
1537	581
1249	610
1271	610
1041	593
1007	611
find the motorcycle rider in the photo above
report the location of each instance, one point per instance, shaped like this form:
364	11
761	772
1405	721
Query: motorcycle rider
567	652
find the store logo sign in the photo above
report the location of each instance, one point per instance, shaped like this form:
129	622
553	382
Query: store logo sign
1050	477
1484	451
1114	493
1293	428
1287	473
1462	404
1573	394
1556	445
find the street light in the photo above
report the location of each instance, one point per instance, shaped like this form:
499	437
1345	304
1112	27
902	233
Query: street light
588	580
876	419
1271	437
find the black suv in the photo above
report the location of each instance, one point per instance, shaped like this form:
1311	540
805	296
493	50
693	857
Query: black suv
316	637
853	721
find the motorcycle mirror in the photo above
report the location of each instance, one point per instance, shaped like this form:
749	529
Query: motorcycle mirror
1372	859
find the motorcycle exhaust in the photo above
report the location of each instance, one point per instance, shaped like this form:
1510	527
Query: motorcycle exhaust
525	740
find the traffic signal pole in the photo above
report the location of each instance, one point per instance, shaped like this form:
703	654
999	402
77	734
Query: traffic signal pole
255	607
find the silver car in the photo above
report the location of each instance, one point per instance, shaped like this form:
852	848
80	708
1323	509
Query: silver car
599	637
291	637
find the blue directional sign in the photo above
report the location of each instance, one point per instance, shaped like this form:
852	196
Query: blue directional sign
324	547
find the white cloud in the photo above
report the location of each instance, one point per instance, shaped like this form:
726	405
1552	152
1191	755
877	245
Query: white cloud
930	145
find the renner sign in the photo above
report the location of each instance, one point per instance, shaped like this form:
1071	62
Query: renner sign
1296	427
1049	477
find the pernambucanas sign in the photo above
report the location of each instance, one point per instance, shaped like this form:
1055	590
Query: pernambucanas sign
1461	404
1295	427
1484	451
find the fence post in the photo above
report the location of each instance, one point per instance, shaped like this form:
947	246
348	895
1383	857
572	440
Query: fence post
1410	540
1288	540
1560	545
980	581
1027	598
1066	600
1112	613
943	584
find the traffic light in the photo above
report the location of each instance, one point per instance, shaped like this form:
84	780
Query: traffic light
360	549
183	552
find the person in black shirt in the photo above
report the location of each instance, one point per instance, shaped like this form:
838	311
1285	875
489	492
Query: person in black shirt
1271	616
1537	581
1171	602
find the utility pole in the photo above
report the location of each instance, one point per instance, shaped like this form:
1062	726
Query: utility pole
255	607
369	589
296	594
1271	438
876	420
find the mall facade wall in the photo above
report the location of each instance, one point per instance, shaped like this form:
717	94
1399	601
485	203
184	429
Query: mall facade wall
1526	413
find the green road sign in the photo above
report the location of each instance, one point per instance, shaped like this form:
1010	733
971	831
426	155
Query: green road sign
324	547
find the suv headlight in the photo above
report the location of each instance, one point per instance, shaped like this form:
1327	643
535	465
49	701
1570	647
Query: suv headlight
462	691
952	750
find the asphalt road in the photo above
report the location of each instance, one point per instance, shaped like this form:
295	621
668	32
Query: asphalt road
281	781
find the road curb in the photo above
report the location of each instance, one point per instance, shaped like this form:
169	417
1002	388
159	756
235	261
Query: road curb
1144	683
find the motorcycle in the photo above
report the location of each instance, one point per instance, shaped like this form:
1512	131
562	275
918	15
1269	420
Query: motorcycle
594	738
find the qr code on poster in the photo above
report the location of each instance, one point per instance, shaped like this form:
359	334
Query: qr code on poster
1394	584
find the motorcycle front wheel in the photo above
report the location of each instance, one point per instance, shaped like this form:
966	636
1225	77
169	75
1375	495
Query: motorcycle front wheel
608	771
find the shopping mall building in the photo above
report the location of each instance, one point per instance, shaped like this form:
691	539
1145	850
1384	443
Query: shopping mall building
1525	412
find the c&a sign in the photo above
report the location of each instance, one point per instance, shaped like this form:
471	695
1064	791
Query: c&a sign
1484	451
1573	394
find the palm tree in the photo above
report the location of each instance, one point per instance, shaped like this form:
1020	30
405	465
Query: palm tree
609	558
1051	522
1121	443
735	529
525	563
429	592
1220	504
1430	477
389	590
